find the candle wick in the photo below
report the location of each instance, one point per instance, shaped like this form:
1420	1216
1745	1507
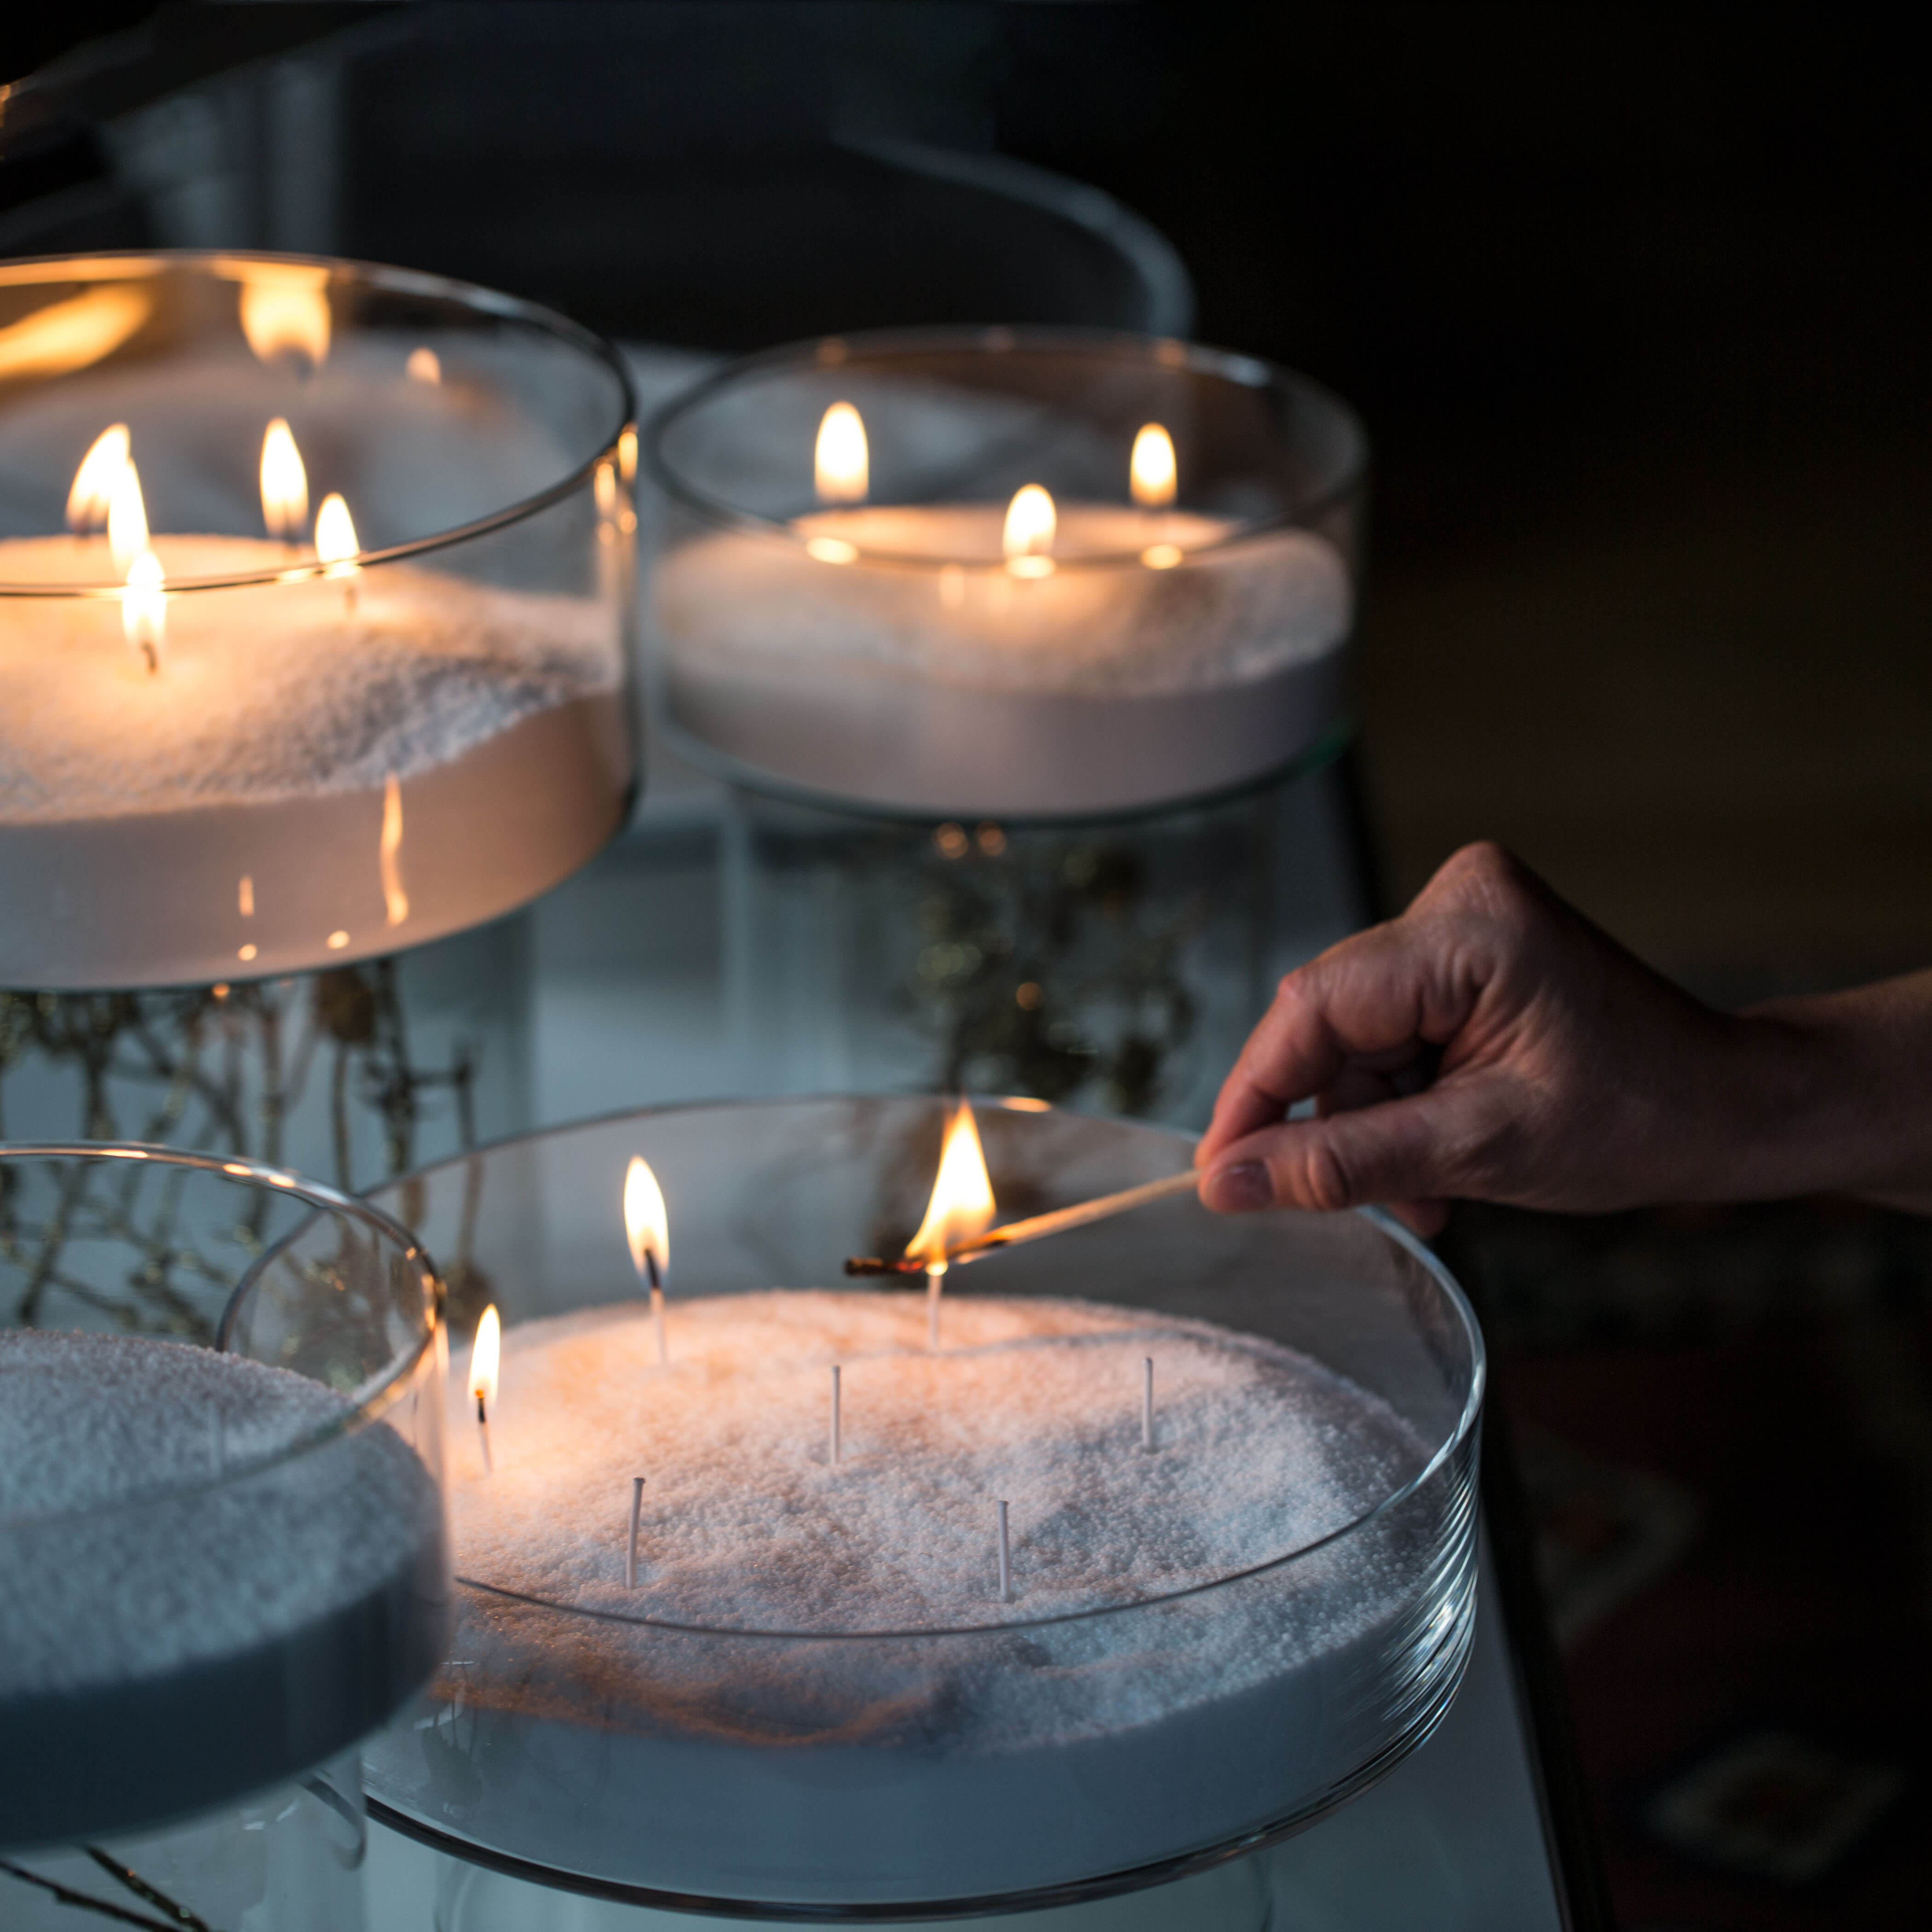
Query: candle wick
934	1277
836	1404
483	1429
631	1549
1006	1560
1146	1404
148	651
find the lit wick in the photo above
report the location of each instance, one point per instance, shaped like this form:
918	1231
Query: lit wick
961	1207
1146	1404
284	483
1027	536
835	1414
840	461
483	1359
1006	1560
336	545
144	607
630	1548
93	493
647	1228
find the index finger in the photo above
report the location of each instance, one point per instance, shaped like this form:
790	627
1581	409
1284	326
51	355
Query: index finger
1377	992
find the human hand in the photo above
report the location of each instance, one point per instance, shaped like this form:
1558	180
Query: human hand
1491	1044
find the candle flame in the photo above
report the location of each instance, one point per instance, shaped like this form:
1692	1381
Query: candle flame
1028	535
424	365
841	463
245	896
144	608
395	900
284	306
1151	470
485	1357
73	335
335	541
93	493
284	482
127	520
961	1206
645	1224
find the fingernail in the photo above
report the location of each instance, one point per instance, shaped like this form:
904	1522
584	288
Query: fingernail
1239	1189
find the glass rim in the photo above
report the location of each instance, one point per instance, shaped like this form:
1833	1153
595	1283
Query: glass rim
1168	353
105	265
366	1406
1467	1421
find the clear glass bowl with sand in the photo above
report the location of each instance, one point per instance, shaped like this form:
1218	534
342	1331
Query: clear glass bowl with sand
315	595
223	1556
1166	1547
1021	573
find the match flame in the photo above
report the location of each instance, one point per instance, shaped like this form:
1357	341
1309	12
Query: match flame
840	463
284	483
424	365
645	1224
126	521
961	1206
335	541
1028	535
285	305
395	900
1151	470
144	608
73	335
485	1356
93	493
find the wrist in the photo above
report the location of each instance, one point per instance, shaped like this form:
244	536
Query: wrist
1836	1099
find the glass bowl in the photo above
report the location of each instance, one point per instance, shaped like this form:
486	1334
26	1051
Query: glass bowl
861	593
222	1552
736	1710
341	663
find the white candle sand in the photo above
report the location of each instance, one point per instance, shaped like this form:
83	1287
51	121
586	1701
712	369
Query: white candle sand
225	1634
919	670
982	1747
268	746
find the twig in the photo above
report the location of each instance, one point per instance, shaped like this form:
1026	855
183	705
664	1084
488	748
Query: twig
189	1921
88	1903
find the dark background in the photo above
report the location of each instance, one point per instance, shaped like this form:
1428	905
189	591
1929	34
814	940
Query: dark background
1634	303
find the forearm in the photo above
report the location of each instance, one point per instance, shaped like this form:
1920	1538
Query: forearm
1840	1096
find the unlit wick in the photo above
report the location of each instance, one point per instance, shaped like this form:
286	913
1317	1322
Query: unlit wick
835	1413
630	1548
1006	1560
1146	1404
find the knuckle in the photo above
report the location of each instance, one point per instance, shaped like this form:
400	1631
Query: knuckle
1325	1182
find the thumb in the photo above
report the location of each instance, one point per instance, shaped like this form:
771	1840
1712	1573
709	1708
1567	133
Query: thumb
1396	1152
